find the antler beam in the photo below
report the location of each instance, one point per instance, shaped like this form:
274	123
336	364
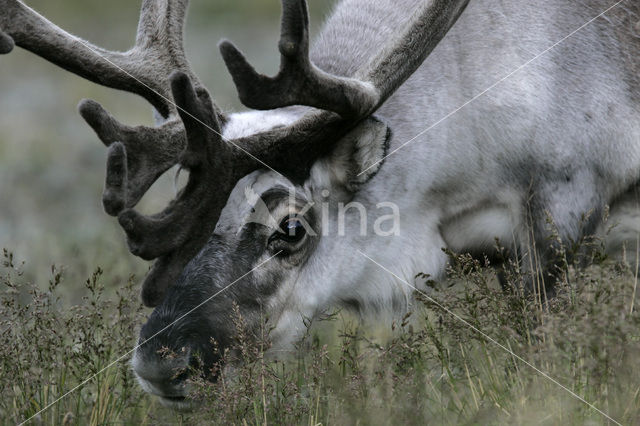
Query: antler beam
395	63
300	82
144	69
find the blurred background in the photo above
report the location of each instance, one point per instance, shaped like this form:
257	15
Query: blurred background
52	164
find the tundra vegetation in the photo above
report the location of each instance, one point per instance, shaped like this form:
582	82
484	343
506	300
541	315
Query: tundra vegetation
62	324
425	367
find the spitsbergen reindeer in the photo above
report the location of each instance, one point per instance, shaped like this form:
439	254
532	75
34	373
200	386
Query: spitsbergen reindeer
406	127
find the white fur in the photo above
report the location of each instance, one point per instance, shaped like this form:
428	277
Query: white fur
247	123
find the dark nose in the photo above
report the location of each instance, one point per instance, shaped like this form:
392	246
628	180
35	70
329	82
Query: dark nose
163	374
174	344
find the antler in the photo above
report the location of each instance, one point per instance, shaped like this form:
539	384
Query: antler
138	155
144	69
299	82
150	151
395	63
175	235
191	133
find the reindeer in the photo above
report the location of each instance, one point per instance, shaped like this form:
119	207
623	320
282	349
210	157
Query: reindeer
358	117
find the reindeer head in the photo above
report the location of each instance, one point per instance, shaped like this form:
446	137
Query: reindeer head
236	238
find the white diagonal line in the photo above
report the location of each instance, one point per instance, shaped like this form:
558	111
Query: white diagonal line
494	341
479	95
120	358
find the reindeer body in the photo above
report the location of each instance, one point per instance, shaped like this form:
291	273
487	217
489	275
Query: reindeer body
524	112
558	139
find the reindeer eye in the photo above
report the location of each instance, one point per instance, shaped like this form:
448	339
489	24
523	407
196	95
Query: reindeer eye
291	230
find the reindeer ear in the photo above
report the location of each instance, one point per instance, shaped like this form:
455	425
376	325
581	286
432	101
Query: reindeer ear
360	154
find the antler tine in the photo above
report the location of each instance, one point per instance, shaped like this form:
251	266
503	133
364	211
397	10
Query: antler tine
150	151
299	81
6	43
143	70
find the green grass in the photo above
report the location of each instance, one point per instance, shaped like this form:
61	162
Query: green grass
425	367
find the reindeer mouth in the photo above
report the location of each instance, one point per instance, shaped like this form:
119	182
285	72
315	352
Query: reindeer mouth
175	398
179	403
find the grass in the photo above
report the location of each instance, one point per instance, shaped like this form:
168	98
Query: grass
427	367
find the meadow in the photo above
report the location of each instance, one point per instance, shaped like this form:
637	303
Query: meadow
468	352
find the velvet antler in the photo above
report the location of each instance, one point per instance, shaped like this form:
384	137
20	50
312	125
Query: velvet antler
190	133
299	81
